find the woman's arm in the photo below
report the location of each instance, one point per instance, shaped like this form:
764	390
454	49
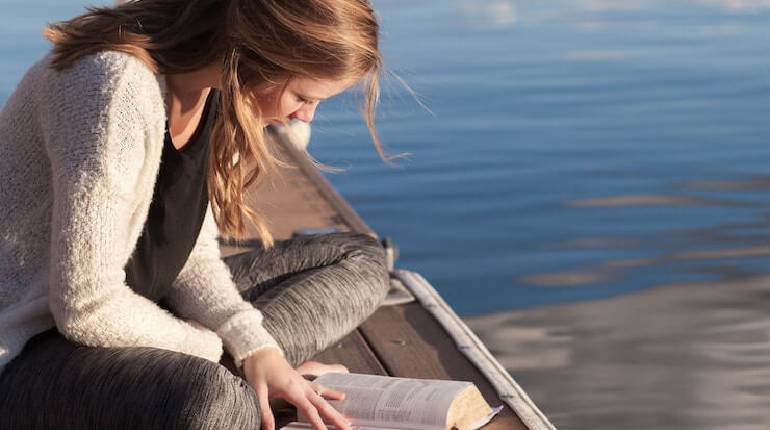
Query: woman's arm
204	291
99	141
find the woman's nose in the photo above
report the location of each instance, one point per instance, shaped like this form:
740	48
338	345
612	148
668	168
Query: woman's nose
305	113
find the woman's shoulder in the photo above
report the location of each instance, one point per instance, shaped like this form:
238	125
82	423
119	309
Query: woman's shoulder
105	107
104	66
109	76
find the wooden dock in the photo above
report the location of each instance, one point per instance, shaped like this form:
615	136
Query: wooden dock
398	340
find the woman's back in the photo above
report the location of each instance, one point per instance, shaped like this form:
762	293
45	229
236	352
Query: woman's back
25	175
59	131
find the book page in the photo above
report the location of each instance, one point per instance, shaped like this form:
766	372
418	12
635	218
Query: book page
389	402
306	426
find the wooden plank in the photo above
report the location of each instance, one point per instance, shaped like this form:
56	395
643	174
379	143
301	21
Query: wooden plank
392	333
346	214
297	196
354	353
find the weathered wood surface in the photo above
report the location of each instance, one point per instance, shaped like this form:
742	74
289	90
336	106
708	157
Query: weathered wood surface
411	343
298	197
402	340
354	352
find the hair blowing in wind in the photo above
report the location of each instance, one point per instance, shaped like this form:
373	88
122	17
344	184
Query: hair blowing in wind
259	43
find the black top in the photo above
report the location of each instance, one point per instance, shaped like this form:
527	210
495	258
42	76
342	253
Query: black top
177	210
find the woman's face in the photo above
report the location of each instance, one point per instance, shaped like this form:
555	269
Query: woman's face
299	100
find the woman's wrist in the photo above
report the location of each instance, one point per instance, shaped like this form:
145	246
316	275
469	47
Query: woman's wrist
260	352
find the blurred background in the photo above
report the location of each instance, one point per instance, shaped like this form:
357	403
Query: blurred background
588	185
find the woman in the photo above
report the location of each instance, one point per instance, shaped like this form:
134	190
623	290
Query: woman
122	152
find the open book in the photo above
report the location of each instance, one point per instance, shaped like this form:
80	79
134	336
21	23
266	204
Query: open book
375	402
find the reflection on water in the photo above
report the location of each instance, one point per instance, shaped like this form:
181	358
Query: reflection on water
489	13
715	243
692	355
683	354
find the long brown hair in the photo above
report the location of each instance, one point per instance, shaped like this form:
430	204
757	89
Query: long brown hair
258	43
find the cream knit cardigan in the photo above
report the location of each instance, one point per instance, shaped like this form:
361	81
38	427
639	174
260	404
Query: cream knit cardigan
79	154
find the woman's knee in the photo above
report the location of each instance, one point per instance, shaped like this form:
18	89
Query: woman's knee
363	249
365	266
352	239
369	257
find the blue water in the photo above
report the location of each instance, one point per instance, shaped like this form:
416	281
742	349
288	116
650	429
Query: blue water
588	184
539	106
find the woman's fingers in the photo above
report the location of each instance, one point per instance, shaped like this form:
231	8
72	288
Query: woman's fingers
333	394
273	377
327	393
268	421
327	410
311	414
338	368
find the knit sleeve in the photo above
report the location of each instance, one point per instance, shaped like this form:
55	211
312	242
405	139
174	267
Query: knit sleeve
97	138
204	291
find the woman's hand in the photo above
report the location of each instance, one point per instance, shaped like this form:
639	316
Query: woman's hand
272	376
313	369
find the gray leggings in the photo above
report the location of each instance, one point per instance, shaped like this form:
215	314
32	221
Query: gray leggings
312	290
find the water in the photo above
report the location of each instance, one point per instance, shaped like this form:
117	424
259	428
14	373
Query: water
590	192
592	195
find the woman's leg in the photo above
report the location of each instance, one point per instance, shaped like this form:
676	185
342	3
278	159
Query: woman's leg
56	384
313	290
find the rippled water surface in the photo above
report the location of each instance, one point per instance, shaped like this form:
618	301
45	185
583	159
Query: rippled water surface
589	186
591	192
